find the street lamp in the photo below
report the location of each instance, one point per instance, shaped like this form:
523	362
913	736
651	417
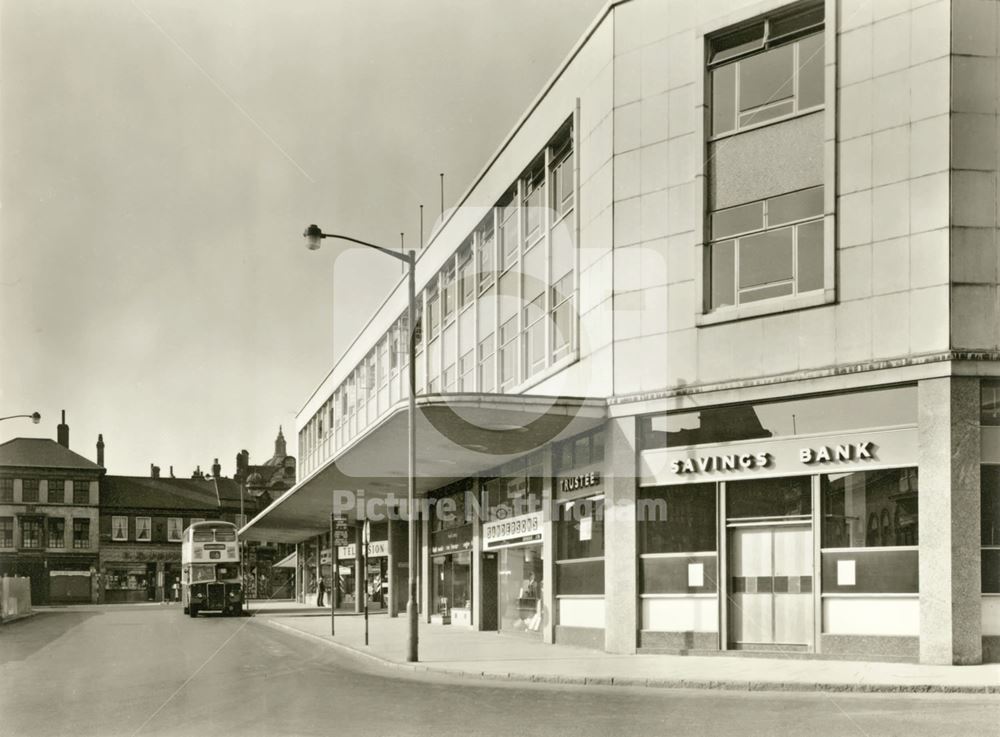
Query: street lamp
314	237
34	416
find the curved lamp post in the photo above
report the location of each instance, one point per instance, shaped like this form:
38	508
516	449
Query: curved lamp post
34	417
314	237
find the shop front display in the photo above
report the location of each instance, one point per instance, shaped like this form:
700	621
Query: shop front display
376	575
451	575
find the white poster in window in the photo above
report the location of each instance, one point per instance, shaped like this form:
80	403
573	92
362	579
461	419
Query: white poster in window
845	572
696	575
586	528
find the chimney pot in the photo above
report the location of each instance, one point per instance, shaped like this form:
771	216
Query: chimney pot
62	432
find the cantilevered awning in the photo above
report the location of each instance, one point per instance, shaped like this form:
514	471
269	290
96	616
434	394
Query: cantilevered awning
458	435
289	561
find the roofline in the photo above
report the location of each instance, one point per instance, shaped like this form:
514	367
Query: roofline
546	88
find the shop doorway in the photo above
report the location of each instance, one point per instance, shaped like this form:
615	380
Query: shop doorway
770	587
520	590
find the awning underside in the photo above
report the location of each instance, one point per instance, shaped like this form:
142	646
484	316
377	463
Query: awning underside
458	436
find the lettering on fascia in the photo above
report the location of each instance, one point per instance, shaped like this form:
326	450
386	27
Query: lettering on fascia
846	452
731	462
580	482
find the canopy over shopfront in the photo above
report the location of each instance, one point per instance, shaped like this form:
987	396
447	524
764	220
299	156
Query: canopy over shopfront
458	436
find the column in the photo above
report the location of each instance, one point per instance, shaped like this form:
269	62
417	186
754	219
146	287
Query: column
948	521
319	564
477	563
298	571
620	552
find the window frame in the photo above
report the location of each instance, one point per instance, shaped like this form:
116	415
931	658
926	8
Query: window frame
119	523
705	315
149	529
56	531
81	541
81	487
7	525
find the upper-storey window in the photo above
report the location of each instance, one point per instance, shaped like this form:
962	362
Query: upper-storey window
448	293
433	311
561	185
29	491
485	251
770	69
7	490
508	232
57	491
466	277
766	236
534	190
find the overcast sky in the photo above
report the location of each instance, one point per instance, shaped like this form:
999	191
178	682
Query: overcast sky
160	159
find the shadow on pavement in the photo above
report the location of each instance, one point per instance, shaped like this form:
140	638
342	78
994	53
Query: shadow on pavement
22	638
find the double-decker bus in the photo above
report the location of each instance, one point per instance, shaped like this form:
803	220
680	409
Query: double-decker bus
210	569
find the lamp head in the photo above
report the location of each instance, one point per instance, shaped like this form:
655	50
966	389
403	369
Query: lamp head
36	418
313	236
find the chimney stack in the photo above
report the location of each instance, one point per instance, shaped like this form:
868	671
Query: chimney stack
172	472
216	469
62	432
154	471
100	450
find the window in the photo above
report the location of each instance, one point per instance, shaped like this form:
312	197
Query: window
31	532
57	532
175	529
6	532
870	509
433	312
770	498
29	491
533	202
448	289
677	519
561	182
449	375
143	529
767	70
487	340
119	529
580	529
81	492
81	534
485	245
765	238
989	529
770	248
56	492
989	407
383	351
578	452
466	277
508	233
6	490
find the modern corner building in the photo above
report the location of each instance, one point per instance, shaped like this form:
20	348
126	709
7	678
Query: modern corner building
709	352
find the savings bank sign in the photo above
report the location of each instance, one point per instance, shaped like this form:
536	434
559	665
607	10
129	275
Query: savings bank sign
747	461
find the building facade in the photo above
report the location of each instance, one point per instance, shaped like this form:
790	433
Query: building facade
49	518
708	355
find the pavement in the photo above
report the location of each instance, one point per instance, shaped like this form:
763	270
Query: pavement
466	653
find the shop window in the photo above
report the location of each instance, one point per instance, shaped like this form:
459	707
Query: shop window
57	532
6	491
677	519
119	529
828	414
6	532
29	491
989	528
31	533
81	492
770	248
580	529
989	407
175	529
869	509
81	534
771	498
143	529
57	491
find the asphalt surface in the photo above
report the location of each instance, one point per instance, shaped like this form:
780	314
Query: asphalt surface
152	671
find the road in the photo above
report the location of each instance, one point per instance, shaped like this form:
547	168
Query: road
144	670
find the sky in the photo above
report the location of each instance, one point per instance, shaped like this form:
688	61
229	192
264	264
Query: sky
159	160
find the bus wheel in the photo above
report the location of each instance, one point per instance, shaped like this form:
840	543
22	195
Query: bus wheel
194	611
238	610
187	610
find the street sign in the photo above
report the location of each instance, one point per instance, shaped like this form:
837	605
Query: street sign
341	533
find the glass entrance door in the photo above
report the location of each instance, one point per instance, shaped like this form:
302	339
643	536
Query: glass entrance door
770	587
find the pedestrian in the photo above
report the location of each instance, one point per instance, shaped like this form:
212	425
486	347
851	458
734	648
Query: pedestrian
177	589
321	589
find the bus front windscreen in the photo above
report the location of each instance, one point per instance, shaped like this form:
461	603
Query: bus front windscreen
204	572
